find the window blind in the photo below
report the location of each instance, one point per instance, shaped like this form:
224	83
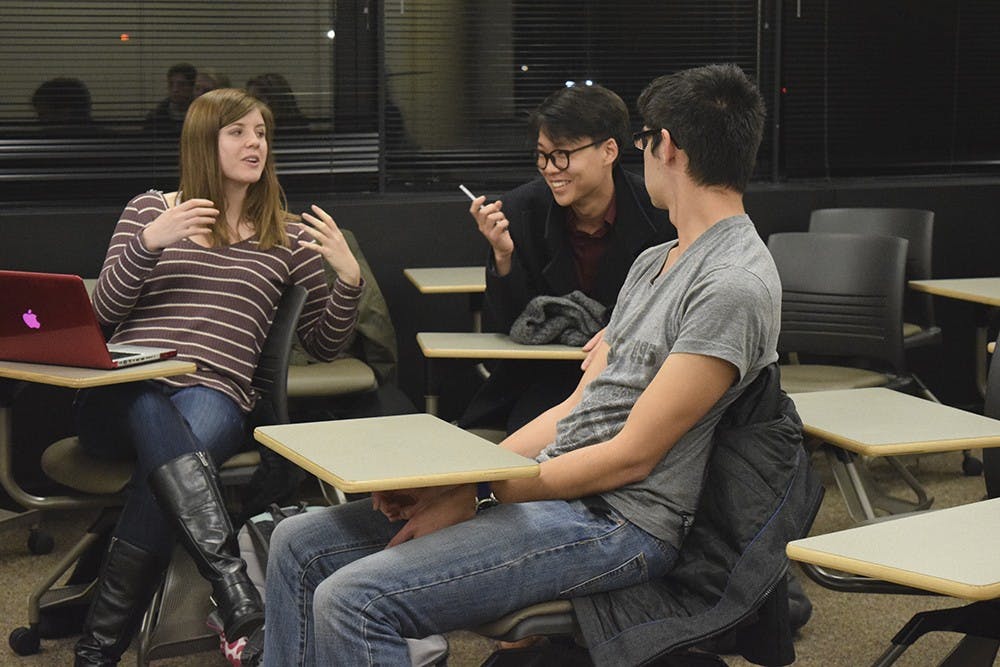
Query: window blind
462	77
82	78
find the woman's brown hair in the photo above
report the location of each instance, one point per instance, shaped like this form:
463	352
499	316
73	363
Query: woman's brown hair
265	205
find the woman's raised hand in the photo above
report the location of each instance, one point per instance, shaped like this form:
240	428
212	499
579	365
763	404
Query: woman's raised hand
329	241
193	217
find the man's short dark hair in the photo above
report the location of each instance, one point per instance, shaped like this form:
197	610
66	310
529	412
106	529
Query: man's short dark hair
579	112
716	114
187	70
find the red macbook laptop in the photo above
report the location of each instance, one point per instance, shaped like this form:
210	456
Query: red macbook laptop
47	318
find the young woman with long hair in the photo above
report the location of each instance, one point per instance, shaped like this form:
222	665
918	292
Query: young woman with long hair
200	270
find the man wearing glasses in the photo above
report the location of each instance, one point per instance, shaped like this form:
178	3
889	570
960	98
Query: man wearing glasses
579	226
622	459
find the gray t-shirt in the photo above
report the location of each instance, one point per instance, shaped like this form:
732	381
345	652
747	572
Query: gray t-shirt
722	299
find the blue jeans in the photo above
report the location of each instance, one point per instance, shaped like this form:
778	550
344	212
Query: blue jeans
336	596
152	423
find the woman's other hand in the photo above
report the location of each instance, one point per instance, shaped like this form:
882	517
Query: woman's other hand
329	241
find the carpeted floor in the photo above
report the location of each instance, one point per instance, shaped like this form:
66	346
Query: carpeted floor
846	630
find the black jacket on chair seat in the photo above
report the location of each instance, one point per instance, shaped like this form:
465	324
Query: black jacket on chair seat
760	492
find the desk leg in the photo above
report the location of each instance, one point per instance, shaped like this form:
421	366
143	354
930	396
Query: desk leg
476	308
852	487
981	363
862	495
432	388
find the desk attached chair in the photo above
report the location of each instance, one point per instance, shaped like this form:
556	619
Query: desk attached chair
842	328
898	556
920	327
175	621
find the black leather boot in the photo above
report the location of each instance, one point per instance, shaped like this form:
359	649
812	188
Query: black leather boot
187	490
125	586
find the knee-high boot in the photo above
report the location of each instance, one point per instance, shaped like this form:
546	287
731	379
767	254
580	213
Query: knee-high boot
126	584
187	491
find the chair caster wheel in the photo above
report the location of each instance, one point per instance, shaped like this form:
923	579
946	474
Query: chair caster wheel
971	466
40	542
24	641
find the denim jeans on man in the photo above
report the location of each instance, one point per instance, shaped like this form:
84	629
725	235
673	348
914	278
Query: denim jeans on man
336	596
153	424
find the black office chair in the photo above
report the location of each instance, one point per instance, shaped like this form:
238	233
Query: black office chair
841	321
917	227
978	621
102	483
174	623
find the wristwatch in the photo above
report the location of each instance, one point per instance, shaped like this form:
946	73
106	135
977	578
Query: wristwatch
484	496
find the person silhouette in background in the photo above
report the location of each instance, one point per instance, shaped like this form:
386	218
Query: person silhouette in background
208	79
63	106
62	101
168	116
274	90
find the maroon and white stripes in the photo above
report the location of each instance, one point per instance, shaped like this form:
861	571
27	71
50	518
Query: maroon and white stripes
215	305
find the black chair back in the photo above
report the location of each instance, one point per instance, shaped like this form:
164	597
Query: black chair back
842	296
271	377
914	225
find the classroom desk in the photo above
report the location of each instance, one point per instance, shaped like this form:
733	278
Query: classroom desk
898	551
882	422
448	280
395	452
72	378
443	345
469	280
948	552
984	292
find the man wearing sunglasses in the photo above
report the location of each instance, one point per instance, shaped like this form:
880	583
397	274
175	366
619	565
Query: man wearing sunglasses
579	226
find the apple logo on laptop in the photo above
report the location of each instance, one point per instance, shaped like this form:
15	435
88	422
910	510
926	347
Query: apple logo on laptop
31	320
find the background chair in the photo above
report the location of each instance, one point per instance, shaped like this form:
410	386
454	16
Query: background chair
917	227
102	483
841	310
841	320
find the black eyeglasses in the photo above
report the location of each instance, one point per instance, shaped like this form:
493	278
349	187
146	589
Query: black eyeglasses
641	139
560	157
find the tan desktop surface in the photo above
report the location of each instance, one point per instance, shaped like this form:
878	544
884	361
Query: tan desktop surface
951	551
398	452
978	290
449	345
79	378
448	280
882	422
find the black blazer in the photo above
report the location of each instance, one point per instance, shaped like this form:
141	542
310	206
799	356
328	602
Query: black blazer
543	258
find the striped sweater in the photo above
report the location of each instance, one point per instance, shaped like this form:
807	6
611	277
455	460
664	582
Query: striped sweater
215	305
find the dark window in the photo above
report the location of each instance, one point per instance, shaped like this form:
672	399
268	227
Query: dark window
890	87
